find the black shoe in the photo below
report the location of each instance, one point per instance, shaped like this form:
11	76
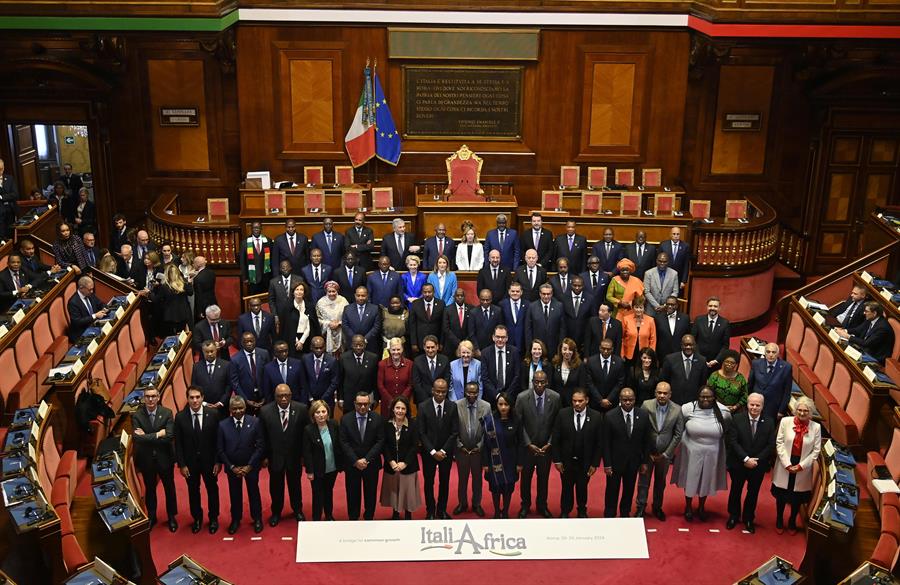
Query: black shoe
407	515
523	513
195	527
274	520
701	514
640	512
583	514
479	511
429	516
505	514
688	515
459	509
329	518
660	515
233	527
545	513
563	514
257	526
395	515
750	526
497	514
213	526
445	516
173	525
152	522
299	517
732	522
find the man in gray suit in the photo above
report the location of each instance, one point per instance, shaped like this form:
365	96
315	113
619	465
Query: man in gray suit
666	428
469	443
281	289
536	410
660	283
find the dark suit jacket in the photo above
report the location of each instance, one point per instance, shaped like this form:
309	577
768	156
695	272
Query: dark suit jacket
713	343
422	380
271	377
666	342
204	291
559	291
334	257
550	331
420	325
403	449
608	261
603	386
365	244
536	429
117	239
489	380
282	251
544	248
877	341
280	298
389	249
498	287
572	447
578	378
483	326
314	449
325	386
857	317
246	447
430	255
347	286
530	293
775	387
356	378
216	389
741	442
35	269
621	452
202	332
8	293
577	256
368	447
258	260
196	453
576	322
137	272
645	262
380	293
242	380
510	252
150	451
515	329
266	329
284	449
79	317
684	390
316	287
369	326
594	335
681	263
438	434
602	284
92	255
453	331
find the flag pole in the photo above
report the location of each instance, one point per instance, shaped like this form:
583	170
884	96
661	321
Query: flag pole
375	114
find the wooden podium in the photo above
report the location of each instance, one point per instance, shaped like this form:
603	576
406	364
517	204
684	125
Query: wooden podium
482	214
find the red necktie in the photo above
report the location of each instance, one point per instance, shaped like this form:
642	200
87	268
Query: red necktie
460	316
441	247
428	311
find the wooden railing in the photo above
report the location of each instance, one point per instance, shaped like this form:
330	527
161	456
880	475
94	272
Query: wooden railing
217	242
791	248
731	245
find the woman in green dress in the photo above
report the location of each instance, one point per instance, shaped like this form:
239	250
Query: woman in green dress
729	384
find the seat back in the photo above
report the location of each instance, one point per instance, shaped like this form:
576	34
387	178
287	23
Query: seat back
25	354
179	390
126	351
43	337
744	366
7	364
840	384
809	348
892	455
858	406
112	362
795	333
895	325
824	365
59	319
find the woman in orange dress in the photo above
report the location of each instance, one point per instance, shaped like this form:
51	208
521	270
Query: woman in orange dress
638	331
623	290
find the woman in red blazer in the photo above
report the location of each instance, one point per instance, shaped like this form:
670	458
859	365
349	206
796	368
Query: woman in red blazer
638	332
394	376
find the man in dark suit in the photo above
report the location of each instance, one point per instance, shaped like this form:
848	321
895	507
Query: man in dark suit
31	263
362	439
641	253
84	308
241	448
750	442
514	310
119	236
504	240
544	321
359	373
256	259
384	283
426	317
14	282
874	336
321	375
606	377
129	268
142	245
281	291
316	274
259	322
212	376
283	422
771	377
539	239
397	245
571	246
349	276
428	367
438	245
9	194
458	323
578	308
282	370
494	277
576	452
501	365
712	333
71	180
609	251
438	429
595	280
671	326
292	247
536	411
215	329
91	253
603	326
562	280
626	450
485	318
686	371
363	318
849	313
196	433
666	428
154	430
679	254
361	241
530	276
330	242
246	372
204	283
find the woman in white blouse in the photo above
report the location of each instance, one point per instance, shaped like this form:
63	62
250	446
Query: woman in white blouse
469	253
300	322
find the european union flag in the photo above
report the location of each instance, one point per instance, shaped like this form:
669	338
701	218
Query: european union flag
388	146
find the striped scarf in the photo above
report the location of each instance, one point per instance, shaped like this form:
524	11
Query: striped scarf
251	259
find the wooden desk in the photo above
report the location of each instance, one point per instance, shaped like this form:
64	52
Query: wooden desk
482	214
253	200
43	226
217	242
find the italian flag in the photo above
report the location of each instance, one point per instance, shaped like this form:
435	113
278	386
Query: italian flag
360	139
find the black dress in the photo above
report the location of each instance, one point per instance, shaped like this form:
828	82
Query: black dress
644	388
289	322
173	308
577	379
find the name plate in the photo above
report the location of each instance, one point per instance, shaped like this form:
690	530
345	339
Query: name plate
886	294
853	353
818	318
833	336
803	302
869	373
179	116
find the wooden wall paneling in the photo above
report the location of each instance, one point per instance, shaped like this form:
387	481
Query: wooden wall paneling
742	89
172	83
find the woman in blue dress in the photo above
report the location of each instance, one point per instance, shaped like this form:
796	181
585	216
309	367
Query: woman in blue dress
412	281
500	455
443	280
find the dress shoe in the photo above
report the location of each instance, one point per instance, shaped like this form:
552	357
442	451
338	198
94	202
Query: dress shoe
257	526
583	514
688	515
523	513
395	515
445	516
701	514
213	526
564	514
233	527
429	516
459	509
750	526
173	525
152	522
479	511
195	527
497	514
779	526
640	512
660	515
299	517
732	522
274	520
545	513
792	529
407	515
329	518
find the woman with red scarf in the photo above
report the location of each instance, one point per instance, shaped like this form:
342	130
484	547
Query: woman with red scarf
797	446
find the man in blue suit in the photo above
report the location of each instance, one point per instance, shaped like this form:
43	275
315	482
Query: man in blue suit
609	251
246	371
241	449
330	242
349	276
260	323
282	370
320	374
506	241
484	318
772	377
291	246
363	318
84	308
544	321
514	310
595	280
383	283
492	363
316	273
679	254
439	245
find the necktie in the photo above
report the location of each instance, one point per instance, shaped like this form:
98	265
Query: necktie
594	281
359	232
361	311
640	251
152	419
237	425
384	277
428	311
400	247
460	316
256	245
603	330
578	421
359	360
318	366
197	423
253	367
431	367
317	273
350	275
540	405
361	422
537	239
502	236
712	324
769	369
472	422
752	427
495	273
16	284
531	277
674	250
606	367
210	366
291	243
90	253
515	312
256	324
284	420
577	303
546	312
562	281
287	284
608	248
441	247
687	368
869	330
284	371
215	332
87	303
571	241
328	241
440	411
501	369
628	422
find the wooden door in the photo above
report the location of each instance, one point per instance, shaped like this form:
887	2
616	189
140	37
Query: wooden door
26	158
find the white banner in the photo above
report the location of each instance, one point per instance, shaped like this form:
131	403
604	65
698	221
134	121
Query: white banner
469	540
